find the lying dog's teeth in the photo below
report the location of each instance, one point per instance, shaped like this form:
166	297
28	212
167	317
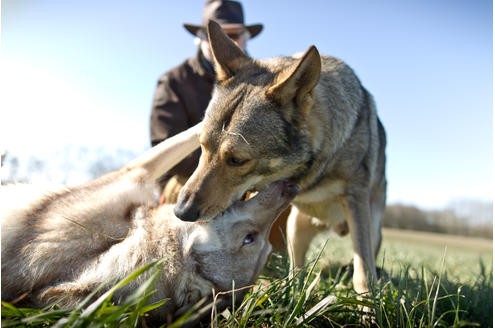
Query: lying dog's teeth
250	194
254	193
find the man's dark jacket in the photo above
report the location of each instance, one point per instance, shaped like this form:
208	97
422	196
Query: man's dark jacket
181	97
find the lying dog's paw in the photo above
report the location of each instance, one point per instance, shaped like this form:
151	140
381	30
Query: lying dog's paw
66	295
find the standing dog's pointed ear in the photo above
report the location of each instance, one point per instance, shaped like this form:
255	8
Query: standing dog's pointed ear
298	81
228	57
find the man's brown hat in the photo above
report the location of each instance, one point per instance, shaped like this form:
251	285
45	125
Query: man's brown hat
228	14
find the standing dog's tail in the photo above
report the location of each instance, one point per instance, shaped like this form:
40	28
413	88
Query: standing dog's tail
164	156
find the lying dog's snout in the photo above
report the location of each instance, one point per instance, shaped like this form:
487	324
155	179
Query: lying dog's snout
186	209
278	192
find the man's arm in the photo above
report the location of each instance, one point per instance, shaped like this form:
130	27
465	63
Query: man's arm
168	118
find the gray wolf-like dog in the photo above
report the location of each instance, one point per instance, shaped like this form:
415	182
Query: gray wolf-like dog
63	245
305	118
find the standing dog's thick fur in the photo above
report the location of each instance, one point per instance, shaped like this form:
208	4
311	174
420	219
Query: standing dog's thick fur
306	118
63	245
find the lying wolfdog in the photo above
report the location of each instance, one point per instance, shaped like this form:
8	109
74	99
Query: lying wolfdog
305	118
61	246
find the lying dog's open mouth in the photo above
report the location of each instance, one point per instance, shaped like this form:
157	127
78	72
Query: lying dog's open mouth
281	188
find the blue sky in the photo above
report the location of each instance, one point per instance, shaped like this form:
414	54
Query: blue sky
84	72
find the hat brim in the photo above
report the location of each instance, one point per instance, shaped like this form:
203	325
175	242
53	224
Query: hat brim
253	30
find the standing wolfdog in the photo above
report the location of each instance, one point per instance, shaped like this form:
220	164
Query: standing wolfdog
305	118
61	246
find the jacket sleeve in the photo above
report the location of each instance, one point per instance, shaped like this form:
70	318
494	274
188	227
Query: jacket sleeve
168	118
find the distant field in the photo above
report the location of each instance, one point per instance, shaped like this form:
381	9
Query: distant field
476	245
461	256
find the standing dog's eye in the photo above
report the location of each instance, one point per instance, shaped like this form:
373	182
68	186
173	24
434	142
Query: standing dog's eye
249	239
236	161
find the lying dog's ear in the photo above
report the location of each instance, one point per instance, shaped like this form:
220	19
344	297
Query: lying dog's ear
228	57
298	81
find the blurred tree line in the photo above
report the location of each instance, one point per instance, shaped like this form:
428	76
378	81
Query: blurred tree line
456	219
70	165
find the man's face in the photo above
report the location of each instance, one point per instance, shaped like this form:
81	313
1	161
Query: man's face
239	35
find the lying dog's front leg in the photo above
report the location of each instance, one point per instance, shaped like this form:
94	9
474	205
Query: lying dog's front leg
105	206
164	156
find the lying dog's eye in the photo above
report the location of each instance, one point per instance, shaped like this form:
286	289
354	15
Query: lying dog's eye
236	161
249	239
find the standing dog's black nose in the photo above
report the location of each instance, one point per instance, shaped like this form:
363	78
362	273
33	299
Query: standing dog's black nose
185	209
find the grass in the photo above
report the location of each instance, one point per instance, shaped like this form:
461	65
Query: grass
426	280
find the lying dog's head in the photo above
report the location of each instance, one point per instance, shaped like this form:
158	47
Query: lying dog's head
255	127
234	246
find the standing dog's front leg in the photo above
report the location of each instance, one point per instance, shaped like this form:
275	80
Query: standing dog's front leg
359	219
